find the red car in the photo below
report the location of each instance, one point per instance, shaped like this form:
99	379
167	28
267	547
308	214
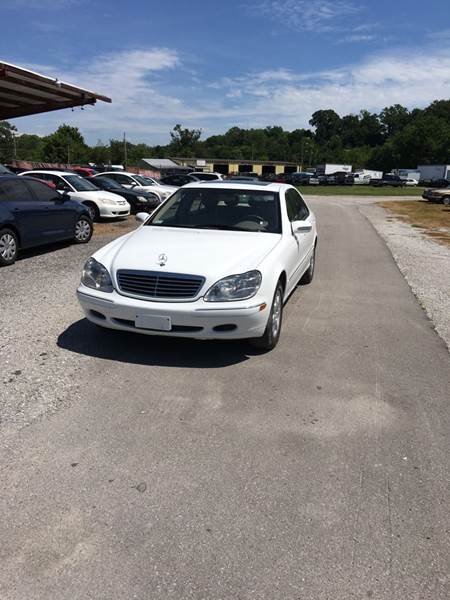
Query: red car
84	171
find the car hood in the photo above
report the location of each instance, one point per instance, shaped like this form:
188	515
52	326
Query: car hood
96	196
212	254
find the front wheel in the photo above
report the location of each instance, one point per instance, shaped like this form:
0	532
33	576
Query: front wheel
269	340
83	230
9	247
446	201
94	212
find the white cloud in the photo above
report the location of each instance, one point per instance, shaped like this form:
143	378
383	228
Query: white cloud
411	79
357	37
41	4
308	15
152	90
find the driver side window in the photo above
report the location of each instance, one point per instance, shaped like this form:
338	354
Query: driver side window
296	207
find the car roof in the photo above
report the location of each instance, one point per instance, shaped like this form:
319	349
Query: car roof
117	173
239	185
49	172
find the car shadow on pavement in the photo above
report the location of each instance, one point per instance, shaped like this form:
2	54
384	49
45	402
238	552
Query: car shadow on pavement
45	249
85	338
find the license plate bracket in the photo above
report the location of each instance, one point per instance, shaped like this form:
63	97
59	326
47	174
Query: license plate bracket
155	322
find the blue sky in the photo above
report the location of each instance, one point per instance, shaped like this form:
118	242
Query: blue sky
216	64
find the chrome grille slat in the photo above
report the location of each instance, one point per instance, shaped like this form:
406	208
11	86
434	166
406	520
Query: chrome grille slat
159	285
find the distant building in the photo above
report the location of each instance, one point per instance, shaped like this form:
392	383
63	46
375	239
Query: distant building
230	166
162	166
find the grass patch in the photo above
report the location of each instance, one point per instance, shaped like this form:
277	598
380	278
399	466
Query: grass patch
116	228
358	190
432	218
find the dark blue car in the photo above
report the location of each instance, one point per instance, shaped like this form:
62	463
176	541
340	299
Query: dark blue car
33	214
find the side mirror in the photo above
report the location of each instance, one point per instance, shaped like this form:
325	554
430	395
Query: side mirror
142	217
65	196
301	227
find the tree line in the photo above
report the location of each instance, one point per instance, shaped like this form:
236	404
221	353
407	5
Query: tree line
394	137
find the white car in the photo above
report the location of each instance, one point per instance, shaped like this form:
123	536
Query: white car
140	182
206	175
411	182
215	261
101	204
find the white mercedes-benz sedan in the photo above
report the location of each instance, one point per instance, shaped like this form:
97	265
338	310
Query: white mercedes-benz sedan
216	260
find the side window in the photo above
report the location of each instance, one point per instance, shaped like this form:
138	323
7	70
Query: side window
42	192
14	190
296	207
123	179
61	185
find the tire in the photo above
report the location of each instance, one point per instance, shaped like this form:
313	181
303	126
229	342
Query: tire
9	247
83	230
271	335
308	275
446	201
93	211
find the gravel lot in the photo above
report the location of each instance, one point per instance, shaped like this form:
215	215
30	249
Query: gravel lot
38	377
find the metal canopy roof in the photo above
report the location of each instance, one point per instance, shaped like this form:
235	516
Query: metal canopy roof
24	92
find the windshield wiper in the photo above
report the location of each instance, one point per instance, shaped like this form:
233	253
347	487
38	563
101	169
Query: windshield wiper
214	226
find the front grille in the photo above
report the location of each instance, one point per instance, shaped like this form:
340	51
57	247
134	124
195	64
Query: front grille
157	285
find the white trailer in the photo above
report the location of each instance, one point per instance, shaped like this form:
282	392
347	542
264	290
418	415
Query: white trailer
331	169
363	176
434	172
407	173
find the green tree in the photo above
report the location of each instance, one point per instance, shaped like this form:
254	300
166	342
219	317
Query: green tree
393	119
184	141
29	147
326	123
65	145
7	132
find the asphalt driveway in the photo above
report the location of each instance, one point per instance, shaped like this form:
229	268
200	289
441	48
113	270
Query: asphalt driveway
138	467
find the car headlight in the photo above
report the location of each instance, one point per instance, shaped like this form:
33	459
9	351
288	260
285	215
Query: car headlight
142	199
235	287
96	276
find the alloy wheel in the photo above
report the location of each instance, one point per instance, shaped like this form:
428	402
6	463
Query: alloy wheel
8	246
276	313
82	230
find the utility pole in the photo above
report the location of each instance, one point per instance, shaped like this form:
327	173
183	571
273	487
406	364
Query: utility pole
14	144
125	150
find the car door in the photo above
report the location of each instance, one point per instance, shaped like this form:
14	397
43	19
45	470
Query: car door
302	225
60	215
28	213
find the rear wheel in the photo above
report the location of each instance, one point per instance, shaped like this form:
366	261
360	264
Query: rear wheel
269	340
446	200
9	247
83	230
94	213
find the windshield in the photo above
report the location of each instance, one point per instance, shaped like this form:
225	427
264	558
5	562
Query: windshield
108	183
80	184
144	180
233	209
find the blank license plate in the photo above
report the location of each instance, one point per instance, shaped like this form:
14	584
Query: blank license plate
153	322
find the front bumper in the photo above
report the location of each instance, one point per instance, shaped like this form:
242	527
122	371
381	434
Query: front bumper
198	319
112	211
